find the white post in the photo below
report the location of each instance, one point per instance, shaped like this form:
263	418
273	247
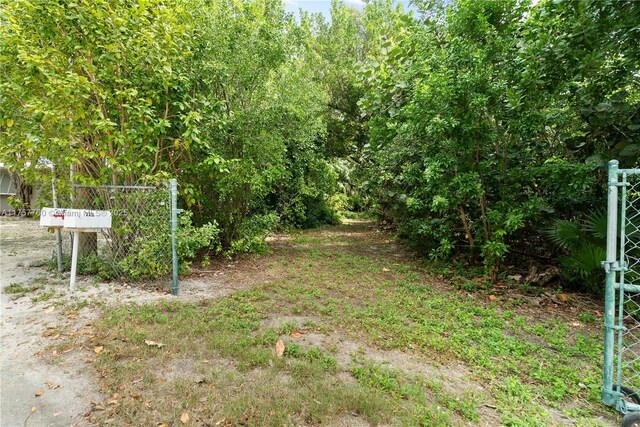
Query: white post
74	261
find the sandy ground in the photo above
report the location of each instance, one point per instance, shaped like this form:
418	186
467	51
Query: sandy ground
38	384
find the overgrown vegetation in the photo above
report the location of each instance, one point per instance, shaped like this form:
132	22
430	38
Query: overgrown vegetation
470	125
488	119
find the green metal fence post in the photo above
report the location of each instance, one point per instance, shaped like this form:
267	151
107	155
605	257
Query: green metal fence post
174	232
609	396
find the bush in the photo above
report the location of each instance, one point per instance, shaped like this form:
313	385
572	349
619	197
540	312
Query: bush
253	233
151	257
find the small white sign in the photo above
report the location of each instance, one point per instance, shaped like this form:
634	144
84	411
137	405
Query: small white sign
81	219
52	217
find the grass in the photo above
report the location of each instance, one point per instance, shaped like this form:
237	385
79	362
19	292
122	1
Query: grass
218	362
17	290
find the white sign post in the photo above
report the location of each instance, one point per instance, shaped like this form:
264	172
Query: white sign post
78	221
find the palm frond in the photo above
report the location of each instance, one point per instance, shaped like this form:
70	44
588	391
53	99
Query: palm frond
596	224
586	259
565	234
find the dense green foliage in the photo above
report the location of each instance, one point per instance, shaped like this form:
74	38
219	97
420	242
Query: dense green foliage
472	125
488	120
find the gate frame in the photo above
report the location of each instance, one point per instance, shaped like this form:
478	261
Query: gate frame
615	267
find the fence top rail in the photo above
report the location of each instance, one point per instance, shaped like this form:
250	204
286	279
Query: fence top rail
118	187
635	171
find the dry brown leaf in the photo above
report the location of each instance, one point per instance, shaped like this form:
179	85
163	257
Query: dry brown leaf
52	385
98	350
49	309
492	297
153	343
39	392
563	297
184	417
163	425
279	348
295	334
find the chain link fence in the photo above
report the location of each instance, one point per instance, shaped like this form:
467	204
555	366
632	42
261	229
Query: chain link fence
138	246
622	292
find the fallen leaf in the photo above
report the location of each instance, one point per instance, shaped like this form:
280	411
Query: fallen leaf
203	400
112	402
98	350
49	309
279	348
184	417
492	297
563	297
221	421
153	343
385	269
295	334
39	392
52	385
163	425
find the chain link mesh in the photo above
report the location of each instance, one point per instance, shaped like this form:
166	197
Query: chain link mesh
628	297
137	247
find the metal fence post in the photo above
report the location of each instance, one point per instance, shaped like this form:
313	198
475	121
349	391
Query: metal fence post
609	396
174	232
54	196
